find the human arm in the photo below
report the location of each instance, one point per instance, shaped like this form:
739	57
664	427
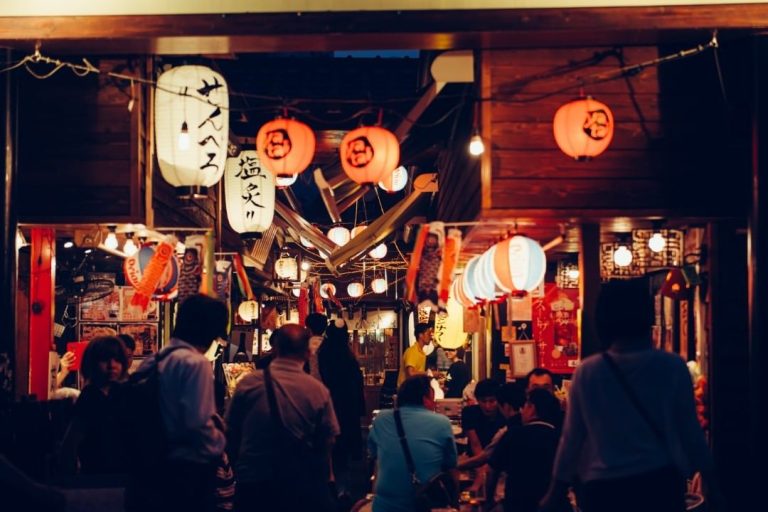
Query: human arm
66	363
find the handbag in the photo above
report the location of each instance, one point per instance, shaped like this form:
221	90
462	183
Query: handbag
439	492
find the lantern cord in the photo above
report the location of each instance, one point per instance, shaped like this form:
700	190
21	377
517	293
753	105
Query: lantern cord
721	81
381	206
633	99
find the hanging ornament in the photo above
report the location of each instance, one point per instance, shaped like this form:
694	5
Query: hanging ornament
355	289
248	310
339	235
396	181
369	154
357	230
191	128
285	147
527	263
286	267
583	128
379	285
249	191
378	252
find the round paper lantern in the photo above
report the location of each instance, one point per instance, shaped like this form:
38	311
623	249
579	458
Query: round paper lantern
488	275
457	292
501	272
527	263
191	128
449	326
249	191
285	181
378	252
357	230
134	267
396	181
248	310
339	235
622	256
287	268
327	287
379	285
355	289
474	281
369	154
285	146
583	128
466	292
657	242
305	242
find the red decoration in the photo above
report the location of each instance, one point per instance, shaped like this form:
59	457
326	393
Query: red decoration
152	274
583	128
556	329
285	146
369	154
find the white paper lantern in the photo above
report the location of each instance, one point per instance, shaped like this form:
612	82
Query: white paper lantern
305	242
527	263
355	289
622	256
657	242
396	181
379	285
287	268
378	252
357	230
285	181
191	128
249	190
339	235
248	310
324	289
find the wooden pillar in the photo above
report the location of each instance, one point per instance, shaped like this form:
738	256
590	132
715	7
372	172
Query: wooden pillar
757	263
589	286
41	308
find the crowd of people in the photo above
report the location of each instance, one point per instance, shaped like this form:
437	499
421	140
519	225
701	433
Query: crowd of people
291	428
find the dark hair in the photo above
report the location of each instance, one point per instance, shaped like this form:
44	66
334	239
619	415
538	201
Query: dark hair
512	394
624	310
413	390
547	406
317	323
128	341
291	340
419	329
102	349
200	320
538	372
486	388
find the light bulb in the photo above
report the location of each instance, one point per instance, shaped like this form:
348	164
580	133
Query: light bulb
129	247
184	137
574	273
622	256
69	244
657	242
476	145
111	241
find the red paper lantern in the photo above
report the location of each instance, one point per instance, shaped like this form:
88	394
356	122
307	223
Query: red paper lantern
285	146
369	154
583	128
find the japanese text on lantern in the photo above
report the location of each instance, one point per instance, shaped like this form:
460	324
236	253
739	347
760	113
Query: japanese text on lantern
209	122
249	171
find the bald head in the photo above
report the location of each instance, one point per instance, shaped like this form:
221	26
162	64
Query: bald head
292	340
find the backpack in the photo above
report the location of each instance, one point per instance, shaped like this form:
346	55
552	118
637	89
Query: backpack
142	419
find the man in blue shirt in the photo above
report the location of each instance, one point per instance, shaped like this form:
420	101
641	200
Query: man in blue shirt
430	440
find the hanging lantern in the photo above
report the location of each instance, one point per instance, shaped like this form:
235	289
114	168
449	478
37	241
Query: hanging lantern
466	292
249	190
285	146
379	285
475	281
527	263
675	285
457	291
136	265
396	181
286	267
305	242
657	242
339	235
378	252
248	310
282	182
355	289
326	288
583	128
191	128
622	256
487	274
357	230
369	154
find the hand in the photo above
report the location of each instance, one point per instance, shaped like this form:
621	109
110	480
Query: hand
67	360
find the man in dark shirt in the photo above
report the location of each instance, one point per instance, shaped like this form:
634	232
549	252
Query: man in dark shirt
480	422
459	374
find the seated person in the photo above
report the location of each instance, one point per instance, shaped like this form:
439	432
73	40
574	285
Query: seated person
480	422
459	373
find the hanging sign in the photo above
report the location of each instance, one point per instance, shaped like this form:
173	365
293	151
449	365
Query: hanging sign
249	191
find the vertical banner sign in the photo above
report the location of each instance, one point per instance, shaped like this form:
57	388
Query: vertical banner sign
249	190
556	329
42	272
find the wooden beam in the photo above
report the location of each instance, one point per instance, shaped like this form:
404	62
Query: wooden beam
589	286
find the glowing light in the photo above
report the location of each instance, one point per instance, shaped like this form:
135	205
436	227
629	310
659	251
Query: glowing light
378	252
622	256
476	145
657	242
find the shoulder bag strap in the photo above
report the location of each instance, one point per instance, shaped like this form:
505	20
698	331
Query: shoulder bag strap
634	399
406	450
272	399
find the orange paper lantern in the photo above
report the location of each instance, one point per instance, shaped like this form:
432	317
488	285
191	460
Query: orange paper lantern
583	128
369	154
285	146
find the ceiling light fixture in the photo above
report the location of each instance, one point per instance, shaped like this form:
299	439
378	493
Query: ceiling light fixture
476	145
111	241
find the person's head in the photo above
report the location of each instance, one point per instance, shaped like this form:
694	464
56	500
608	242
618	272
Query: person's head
416	391
423	333
624	312
291	341
130	348
200	320
104	361
485	394
511	397
316	323
454	354
540	378
541	405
